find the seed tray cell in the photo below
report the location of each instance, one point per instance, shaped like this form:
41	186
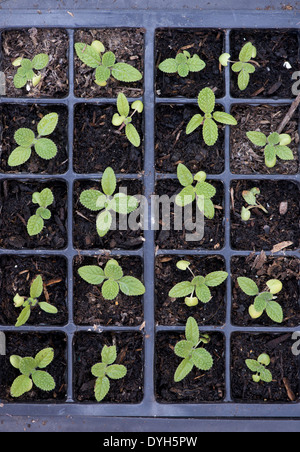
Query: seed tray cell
152	336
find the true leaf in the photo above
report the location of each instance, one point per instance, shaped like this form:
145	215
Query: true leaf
103	223
194	123
131	286
186	196
20	81
183	369
184	175
46	197
192	331
47	307
274	138
109	354
99	369
15	361
116	371
253	365
35	225
110	289
243	80
248	286
274	311
44	213
45	148
196	64
47	124
24	316
205	189
215	278
40	61
181	289
36	288
203	293
109	181
21	385
133	135
126	73
108	59
202	359
183	70
113	271
206	100
169	66
24	137
88	54
102	386
124	204
27	365
224	118
19	156
257	138
44	357
93	199
102	74
43	380
284	153
92	274
183	349
246	52
210	131
265	375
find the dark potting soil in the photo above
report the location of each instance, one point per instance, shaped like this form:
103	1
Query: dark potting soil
28	345
174	146
246	158
16	276
176	312
128	46
261	269
28	44
16	207
213	229
14	117
284	368
198	386
87	352
274	49
264	231
98	144
85	234
208	44
91	308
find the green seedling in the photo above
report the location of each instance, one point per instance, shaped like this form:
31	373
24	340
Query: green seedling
259	367
28	303
105	65
36	222
199	288
26	69
275	145
250	198
206	102
107	369
123	119
264	301
183	64
189	351
105	202
202	192
26	139
30	374
113	280
245	66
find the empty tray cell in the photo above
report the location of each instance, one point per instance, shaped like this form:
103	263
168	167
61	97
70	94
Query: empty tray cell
28	345
207	44
17	207
99	144
176	312
167	237
246	157
198	386
277	57
87	352
284	386
16	116
17	275
90	307
127	233
173	145
127	44
266	230
262	269
29	43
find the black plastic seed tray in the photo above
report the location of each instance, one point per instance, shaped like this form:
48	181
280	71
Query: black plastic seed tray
151	21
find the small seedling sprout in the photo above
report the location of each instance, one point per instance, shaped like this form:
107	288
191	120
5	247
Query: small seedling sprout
26	67
183	64
107	369
30	374
105	65
28	303
259	367
250	196
199	288
36	223
275	146
113	280
245	66
26	139
192	354
264	301
206	103
124	119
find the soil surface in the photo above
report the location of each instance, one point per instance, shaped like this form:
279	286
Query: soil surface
208	44
128	46
16	208
261	269
246	158
14	117
85	234
198	386
213	229
87	352
284	368
98	144
174	146
274	49
29	344
28	44
170	312
91	308
16	276
264	231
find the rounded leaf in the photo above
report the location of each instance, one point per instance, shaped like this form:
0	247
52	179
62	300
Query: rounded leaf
169	66
45	148
92	274
202	359
47	124
257	138
206	100
264	359
21	385
15	361
131	286
254	314
224	58
116	371
88	54
44	357
275	286
19	156
183	265
285	139
110	289
270	155
24	137
40	61
35	225
248	286
43	380
93	199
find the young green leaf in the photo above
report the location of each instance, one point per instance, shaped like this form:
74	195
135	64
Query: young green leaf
37	287
184	175
215	278
206	100
21	385
133	135
24	137
181	290
131	286
183	369
92	274
19	156
87	54
43	380
48	124
35	225
40	61
248	286
45	148
192	331
126	73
